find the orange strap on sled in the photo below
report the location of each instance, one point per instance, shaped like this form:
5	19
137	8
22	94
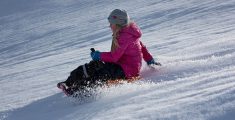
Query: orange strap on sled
120	81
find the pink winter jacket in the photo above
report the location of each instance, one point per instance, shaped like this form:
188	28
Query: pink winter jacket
130	52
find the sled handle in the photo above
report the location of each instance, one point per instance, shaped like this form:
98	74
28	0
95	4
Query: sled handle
92	49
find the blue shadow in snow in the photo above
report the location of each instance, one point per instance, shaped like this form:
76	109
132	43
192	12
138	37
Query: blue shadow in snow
50	108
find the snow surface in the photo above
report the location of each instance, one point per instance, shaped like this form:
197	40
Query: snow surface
41	41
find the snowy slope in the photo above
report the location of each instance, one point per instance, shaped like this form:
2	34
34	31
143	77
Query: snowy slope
41	41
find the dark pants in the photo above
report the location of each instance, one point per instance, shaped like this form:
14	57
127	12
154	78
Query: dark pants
99	74
109	71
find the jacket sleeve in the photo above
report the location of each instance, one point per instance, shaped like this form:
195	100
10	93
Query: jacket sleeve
115	55
146	55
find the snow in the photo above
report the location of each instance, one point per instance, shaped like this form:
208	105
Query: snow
42	41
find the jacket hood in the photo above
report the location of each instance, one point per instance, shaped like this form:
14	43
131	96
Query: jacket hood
132	29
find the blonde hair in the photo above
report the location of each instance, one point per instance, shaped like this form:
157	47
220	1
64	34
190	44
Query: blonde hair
115	36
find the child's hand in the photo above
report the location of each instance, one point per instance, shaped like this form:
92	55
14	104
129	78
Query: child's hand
152	62
95	55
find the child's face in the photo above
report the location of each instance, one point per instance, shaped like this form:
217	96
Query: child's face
113	27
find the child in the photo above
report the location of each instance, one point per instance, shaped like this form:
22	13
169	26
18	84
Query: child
127	50
122	62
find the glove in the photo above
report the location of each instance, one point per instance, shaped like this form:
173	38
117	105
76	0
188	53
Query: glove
95	55
152	62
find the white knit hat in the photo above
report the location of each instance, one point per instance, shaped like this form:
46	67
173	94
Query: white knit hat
119	17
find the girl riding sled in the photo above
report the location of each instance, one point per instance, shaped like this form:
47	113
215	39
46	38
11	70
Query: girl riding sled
124	61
